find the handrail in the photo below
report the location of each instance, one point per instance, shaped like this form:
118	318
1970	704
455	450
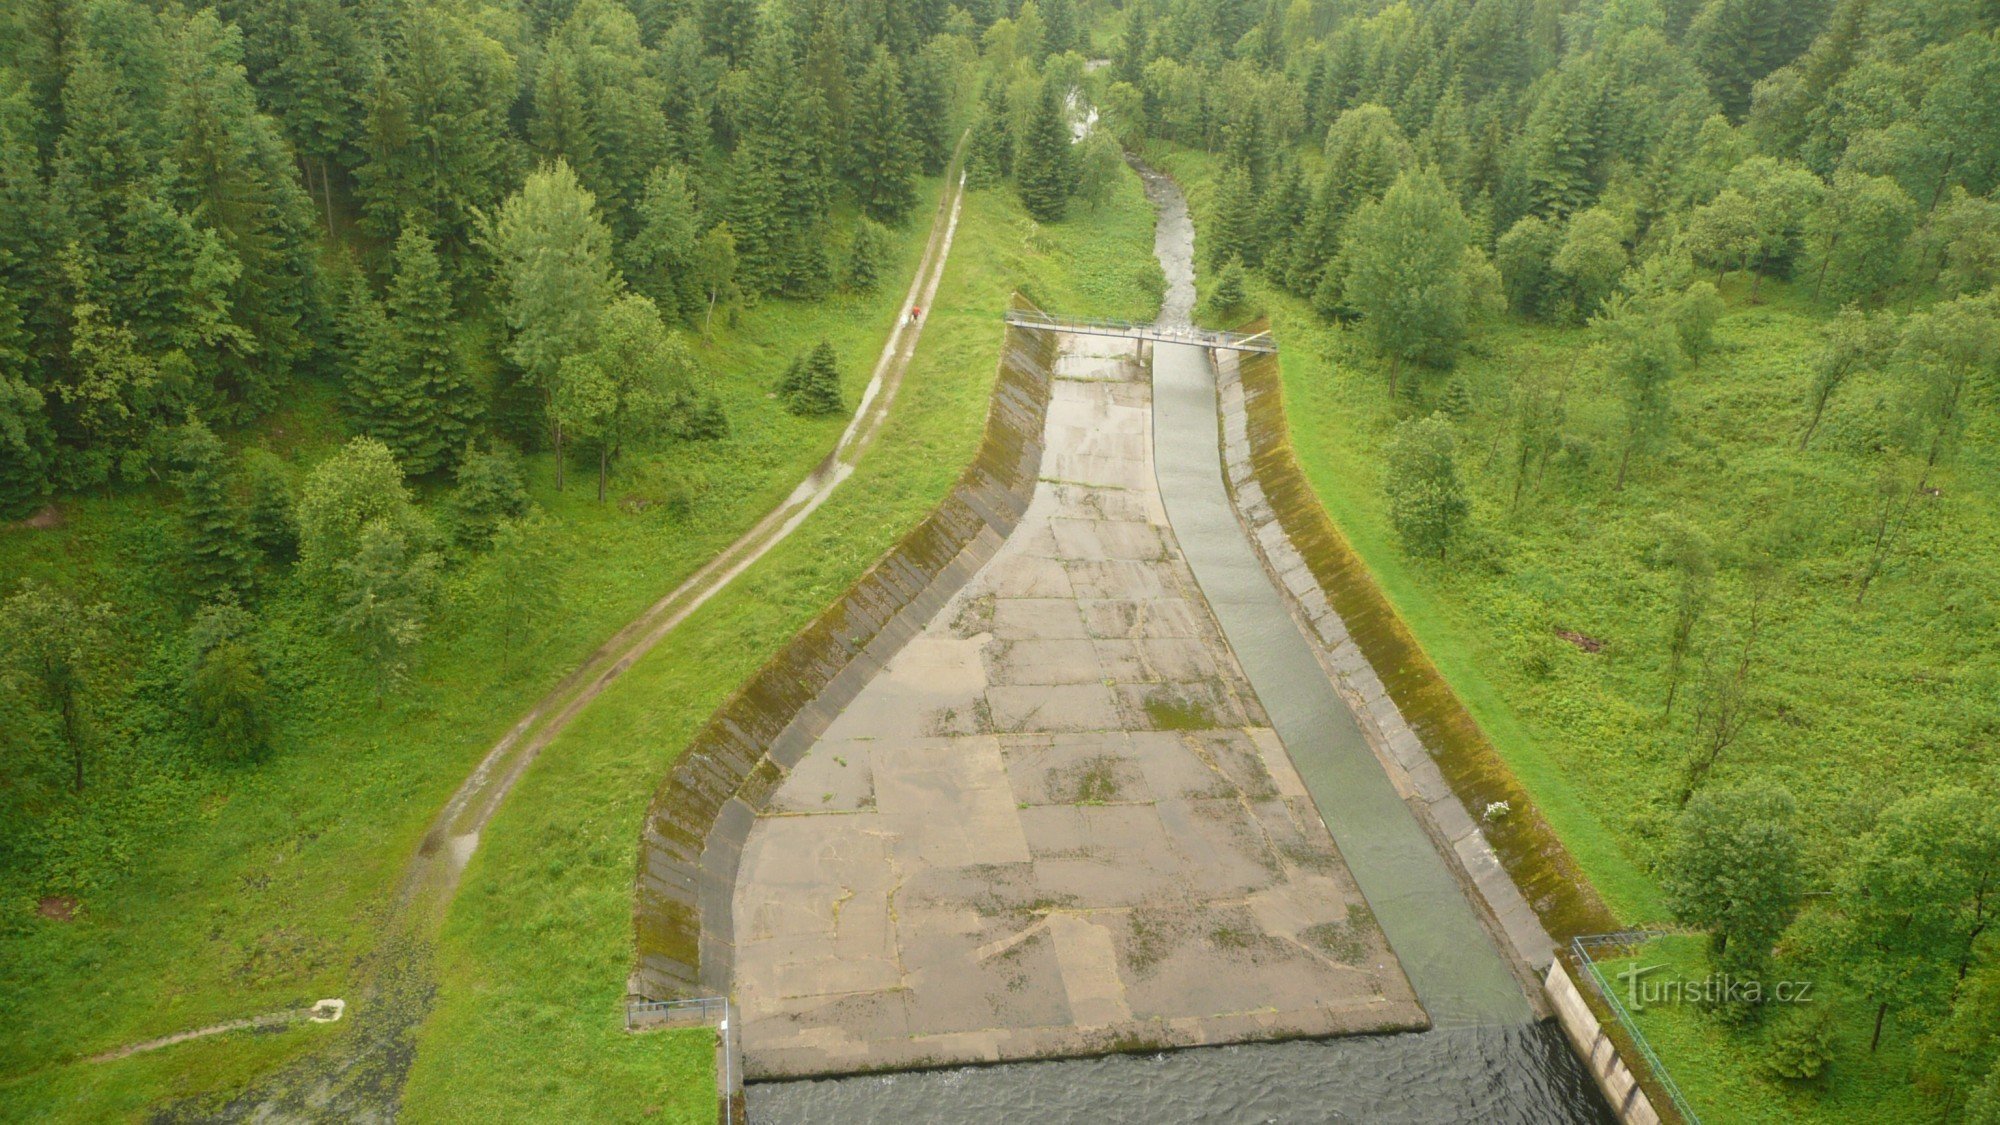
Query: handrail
699	1011
1188	334
1580	947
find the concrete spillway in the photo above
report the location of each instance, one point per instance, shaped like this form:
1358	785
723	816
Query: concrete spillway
1459	974
1057	821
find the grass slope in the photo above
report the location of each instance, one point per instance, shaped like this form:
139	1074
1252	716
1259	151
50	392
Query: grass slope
1850	706
535	953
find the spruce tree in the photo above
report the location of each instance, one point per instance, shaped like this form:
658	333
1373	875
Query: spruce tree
236	178
884	159
812	383
660	257
927	98
1233	232
1042	171
865	258
378	395
443	404
1059	27
490	489
780	183
436	138
560	127
270	505
218	548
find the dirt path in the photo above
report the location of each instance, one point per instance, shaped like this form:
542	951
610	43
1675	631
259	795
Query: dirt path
433	874
364	1076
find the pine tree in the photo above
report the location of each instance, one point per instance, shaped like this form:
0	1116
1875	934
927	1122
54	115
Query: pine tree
269	505
927	100
443	405
884	158
218	548
660	257
865	258
812	384
1232	234
1042	171
780	183
561	126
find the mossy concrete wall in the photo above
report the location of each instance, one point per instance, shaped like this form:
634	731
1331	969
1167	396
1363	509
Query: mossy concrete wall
1453	771
693	836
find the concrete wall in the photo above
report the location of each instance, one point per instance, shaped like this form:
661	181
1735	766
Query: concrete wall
695	828
1531	885
1618	1084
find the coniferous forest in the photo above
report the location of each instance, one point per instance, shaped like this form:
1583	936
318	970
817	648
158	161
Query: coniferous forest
366	364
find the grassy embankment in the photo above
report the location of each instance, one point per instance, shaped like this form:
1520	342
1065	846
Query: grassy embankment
535	954
1849	706
211	892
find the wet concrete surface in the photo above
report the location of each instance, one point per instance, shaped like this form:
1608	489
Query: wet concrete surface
1058	821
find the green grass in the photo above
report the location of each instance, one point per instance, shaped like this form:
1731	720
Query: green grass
536	950
1719	1069
209	893
1850	705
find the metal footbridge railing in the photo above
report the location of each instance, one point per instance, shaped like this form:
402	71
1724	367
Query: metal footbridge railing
1185	334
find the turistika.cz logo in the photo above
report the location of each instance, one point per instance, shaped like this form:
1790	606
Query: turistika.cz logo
1642	990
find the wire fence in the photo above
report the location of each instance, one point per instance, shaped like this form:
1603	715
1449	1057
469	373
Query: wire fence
1582	948
701	1011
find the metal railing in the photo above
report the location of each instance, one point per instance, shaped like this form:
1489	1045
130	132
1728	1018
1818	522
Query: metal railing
1580	948
1188	334
700	1011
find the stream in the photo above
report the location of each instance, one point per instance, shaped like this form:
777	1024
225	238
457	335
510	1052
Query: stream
1486	1061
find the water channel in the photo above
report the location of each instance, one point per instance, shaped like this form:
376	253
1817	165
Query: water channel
1486	1061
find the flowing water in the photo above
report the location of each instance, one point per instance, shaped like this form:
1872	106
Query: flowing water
1487	1061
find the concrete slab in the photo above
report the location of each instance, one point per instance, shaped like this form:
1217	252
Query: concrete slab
1057	822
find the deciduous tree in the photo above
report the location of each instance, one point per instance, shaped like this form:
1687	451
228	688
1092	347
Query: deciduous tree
1427	500
555	265
53	652
1403	269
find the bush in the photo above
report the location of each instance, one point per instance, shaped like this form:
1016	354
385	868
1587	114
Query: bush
1801	1047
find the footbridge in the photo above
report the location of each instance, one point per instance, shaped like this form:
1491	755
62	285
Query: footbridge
1171	334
